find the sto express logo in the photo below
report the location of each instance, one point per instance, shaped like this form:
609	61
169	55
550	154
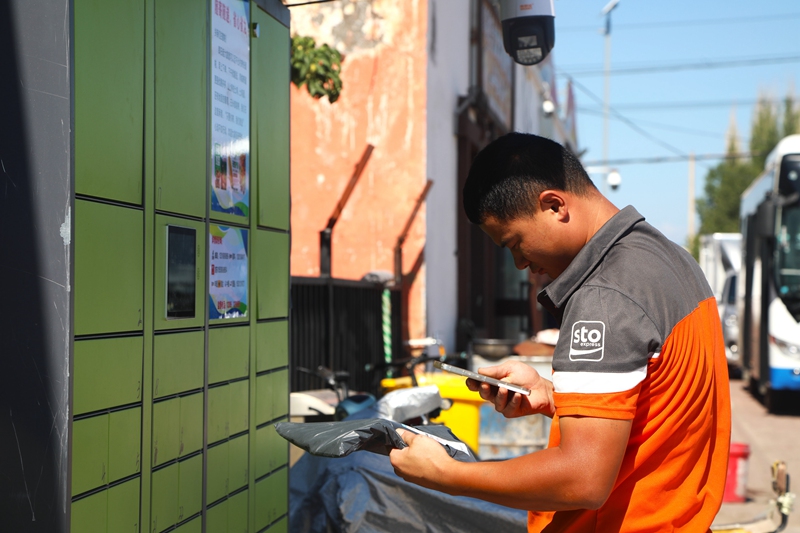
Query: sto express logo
587	341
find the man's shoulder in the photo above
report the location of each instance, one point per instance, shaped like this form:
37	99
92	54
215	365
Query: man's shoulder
653	273
644	256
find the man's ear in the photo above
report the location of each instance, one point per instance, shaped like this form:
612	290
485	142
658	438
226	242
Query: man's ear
554	202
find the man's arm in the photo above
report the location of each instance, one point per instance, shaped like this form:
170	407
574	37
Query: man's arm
578	474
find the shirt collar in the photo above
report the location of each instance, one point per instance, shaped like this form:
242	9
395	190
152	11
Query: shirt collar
555	295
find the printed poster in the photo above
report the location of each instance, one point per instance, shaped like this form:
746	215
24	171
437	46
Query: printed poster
227	293
230	106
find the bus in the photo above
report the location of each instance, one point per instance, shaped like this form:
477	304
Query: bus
769	285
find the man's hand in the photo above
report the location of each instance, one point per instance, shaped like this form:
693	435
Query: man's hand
513	404
579	473
424	462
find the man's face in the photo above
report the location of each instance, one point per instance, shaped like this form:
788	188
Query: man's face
538	242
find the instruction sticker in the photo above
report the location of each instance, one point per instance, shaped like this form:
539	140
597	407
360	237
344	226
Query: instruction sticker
230	106
227	293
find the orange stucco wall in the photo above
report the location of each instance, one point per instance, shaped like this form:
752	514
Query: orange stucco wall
383	103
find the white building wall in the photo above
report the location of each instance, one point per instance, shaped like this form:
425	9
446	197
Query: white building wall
448	78
528	101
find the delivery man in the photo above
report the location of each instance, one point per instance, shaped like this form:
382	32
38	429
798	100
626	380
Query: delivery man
639	391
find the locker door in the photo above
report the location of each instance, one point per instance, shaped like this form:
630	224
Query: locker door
237	513
190	487
109	99
124	443
272	396
164	498
178	363
272	345
238	473
108	268
191	425
219	407
270	75
218	472
108	373
264	406
228	353
89	453
280	394
272	274
166	430
272	450
271	498
217	518
90	514
239	394
195	526
123	508
180	106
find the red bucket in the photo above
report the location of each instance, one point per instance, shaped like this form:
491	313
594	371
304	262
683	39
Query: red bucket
736	483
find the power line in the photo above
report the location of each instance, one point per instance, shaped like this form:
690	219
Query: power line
684	105
683	23
628	122
307	2
715	135
671	159
701	65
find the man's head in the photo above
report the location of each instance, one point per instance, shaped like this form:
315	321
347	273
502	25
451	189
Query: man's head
532	196
508	176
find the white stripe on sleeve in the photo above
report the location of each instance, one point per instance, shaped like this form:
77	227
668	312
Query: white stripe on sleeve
597	382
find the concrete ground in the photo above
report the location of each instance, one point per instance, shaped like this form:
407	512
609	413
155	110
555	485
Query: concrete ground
770	437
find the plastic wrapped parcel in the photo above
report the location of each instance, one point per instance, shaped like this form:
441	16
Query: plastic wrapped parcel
377	435
361	493
404	404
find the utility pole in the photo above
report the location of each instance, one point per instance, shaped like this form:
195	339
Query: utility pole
607	81
690	225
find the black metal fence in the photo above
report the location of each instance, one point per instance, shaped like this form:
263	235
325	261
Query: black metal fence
338	324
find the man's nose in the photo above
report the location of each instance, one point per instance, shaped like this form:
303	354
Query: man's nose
520	262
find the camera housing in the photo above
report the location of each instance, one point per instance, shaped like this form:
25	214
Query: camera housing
528	29
614	180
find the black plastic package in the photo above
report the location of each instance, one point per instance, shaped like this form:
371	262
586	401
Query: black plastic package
376	435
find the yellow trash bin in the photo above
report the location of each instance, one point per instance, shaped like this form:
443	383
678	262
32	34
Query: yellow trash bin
463	418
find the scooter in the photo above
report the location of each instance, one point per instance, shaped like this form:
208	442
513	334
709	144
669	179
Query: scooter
336	402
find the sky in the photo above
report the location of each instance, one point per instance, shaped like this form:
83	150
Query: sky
670	110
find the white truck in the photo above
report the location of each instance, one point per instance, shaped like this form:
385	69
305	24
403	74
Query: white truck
721	260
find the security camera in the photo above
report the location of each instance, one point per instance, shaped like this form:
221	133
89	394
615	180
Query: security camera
614	180
528	29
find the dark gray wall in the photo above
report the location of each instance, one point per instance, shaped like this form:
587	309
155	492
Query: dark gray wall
36	200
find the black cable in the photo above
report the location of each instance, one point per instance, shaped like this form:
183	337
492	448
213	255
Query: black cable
702	65
671	159
685	105
308	2
682	23
679	129
628	122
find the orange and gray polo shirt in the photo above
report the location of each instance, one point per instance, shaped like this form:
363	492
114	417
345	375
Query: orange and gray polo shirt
640	340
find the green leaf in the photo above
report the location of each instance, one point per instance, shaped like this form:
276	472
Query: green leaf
316	67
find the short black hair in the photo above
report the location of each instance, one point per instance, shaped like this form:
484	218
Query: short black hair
507	176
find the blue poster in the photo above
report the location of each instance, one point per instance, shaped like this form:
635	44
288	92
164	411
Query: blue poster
227	293
230	100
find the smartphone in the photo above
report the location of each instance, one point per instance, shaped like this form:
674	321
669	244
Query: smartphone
481	377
